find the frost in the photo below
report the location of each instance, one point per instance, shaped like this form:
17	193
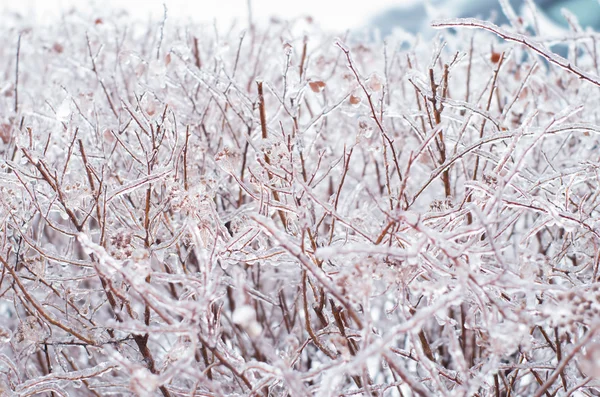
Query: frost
410	215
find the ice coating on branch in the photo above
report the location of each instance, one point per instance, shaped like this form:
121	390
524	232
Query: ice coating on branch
409	215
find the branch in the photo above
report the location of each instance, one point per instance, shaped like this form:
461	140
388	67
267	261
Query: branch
472	23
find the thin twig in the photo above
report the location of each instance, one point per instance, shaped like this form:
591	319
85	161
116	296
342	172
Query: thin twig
521	39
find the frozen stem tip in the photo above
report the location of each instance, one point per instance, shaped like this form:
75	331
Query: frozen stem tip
342	46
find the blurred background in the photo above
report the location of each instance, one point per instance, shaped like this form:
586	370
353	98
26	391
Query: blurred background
385	15
552	14
331	14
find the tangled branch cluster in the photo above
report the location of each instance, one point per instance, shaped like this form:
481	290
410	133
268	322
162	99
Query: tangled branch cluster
281	212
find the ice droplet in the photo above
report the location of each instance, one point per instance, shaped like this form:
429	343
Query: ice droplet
243	315
64	110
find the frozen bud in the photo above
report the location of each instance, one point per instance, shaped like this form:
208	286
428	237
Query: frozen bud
436	205
287	48
365	128
490	178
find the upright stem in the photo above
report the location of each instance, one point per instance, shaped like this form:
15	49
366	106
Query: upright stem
17	74
263	126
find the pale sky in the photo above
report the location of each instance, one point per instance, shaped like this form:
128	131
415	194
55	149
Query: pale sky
332	14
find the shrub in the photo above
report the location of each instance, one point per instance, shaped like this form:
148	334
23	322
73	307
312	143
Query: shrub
277	211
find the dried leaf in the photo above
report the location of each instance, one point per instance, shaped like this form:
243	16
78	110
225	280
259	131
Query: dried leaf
316	86
5	132
354	100
375	83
